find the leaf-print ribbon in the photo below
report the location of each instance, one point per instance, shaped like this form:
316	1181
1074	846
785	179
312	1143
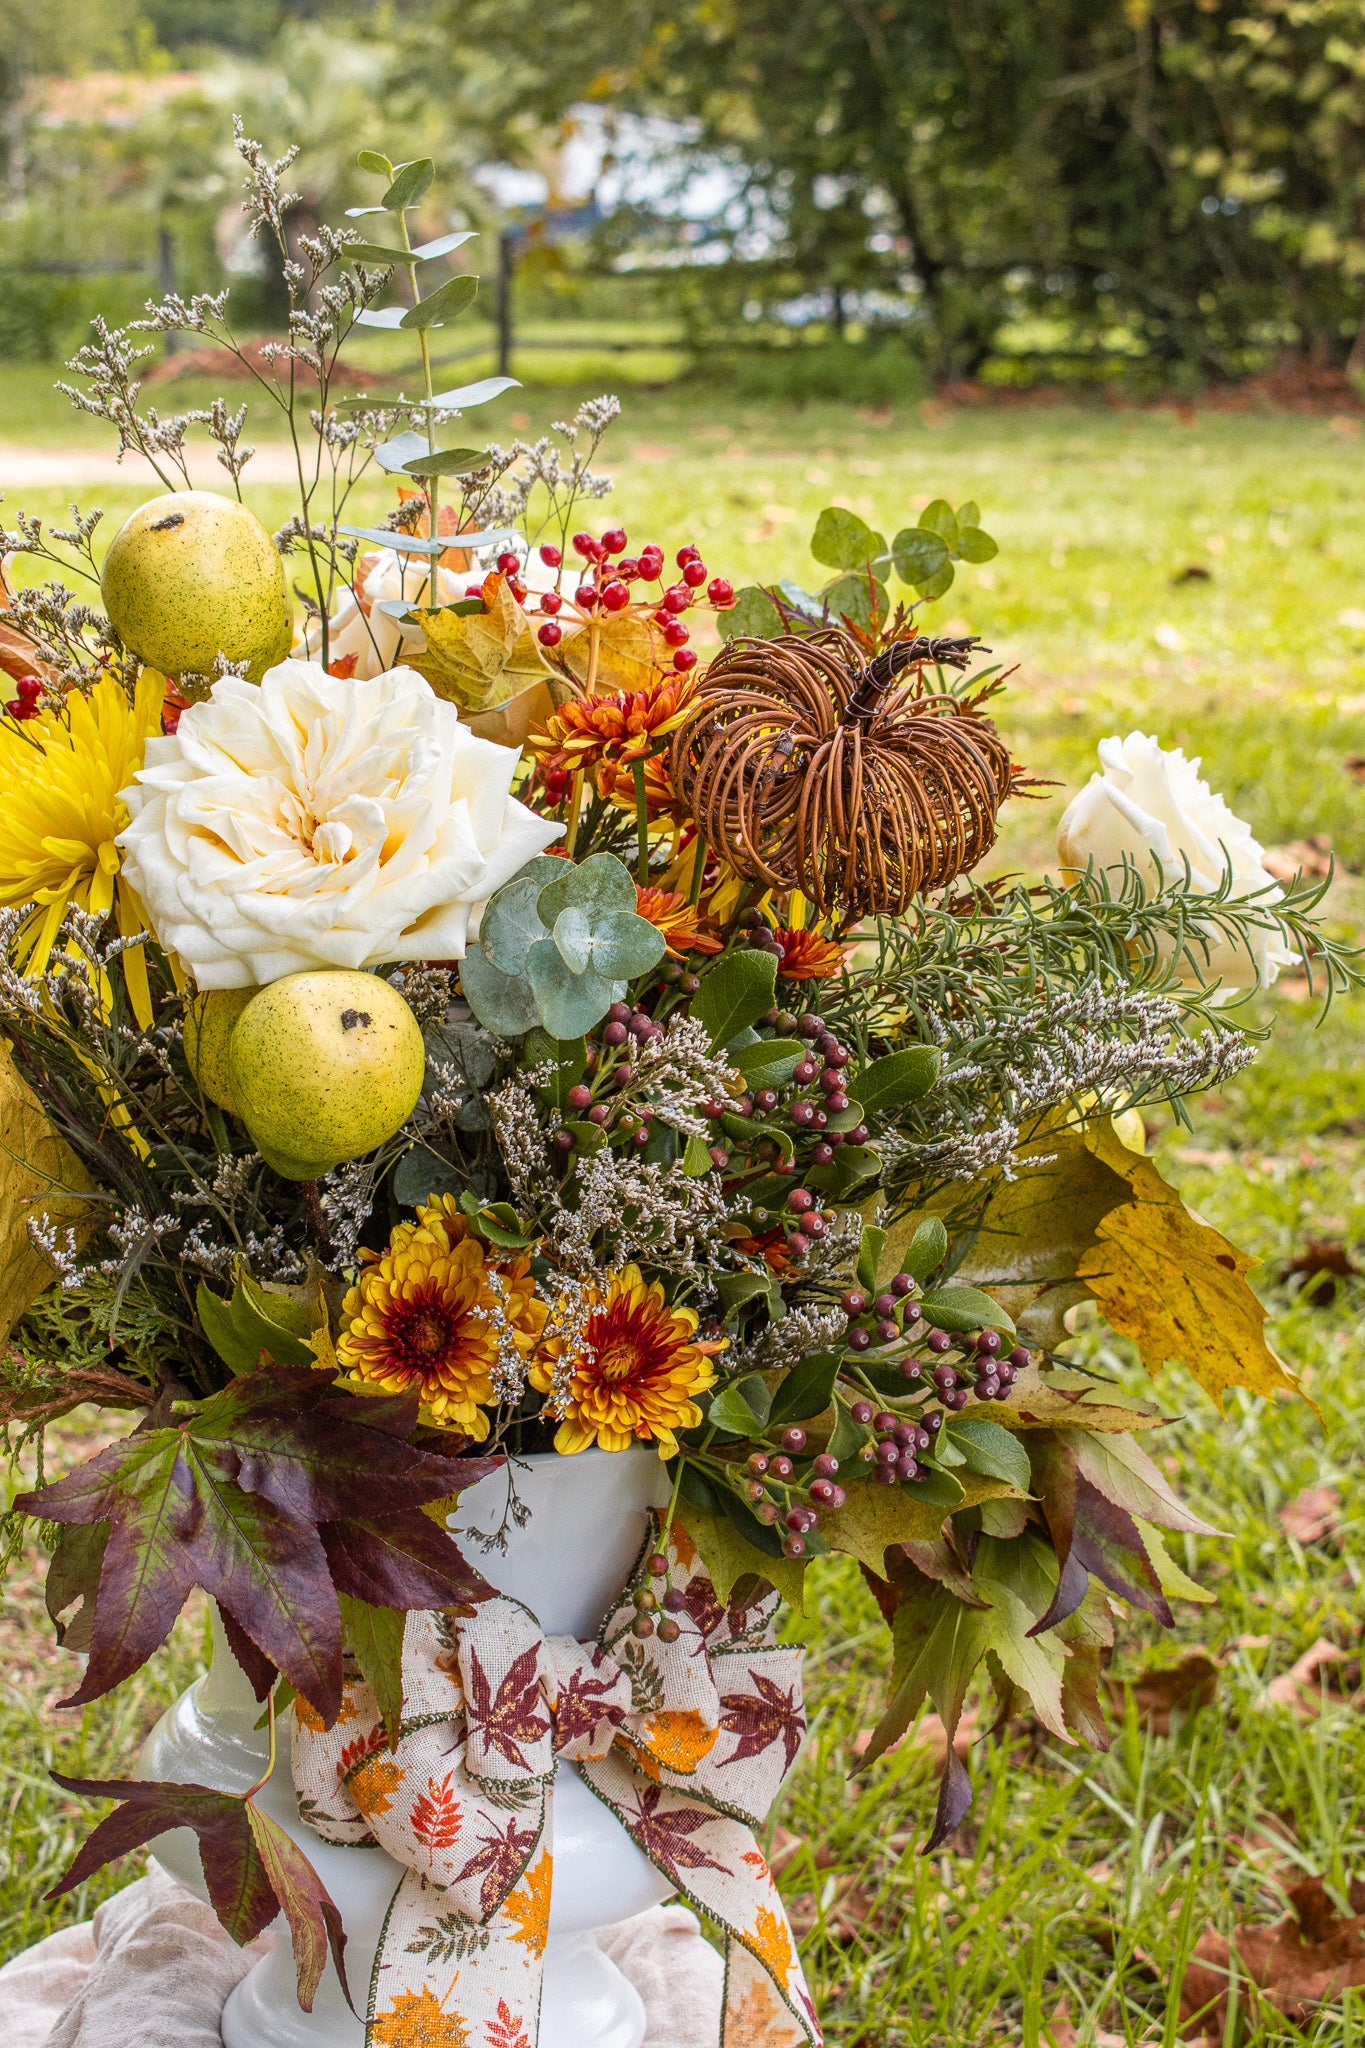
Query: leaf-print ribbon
686	1741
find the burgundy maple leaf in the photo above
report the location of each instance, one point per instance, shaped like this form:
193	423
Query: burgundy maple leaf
582	1703
500	1863
665	1836
511	1715
762	1718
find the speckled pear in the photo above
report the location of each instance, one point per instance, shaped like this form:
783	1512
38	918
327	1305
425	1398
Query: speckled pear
192	575
209	1024
324	1067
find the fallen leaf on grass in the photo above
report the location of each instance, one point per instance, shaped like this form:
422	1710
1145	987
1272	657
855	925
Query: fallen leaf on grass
1302	1686
1060	2030
1304	1961
1355	764
1299	857
1177	1688
1312	1514
1320	1265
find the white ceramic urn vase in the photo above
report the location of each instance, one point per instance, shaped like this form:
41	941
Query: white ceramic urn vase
587	1523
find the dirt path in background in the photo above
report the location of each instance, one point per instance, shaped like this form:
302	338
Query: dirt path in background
25	468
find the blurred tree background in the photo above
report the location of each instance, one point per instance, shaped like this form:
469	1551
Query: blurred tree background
822	195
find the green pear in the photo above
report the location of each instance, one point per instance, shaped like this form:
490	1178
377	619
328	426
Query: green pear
324	1067
192	575
209	1023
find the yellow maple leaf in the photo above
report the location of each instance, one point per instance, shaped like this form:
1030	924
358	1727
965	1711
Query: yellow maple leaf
625	652
1174	1285
773	1942
481	659
416	2020
529	1905
371	1785
34	1165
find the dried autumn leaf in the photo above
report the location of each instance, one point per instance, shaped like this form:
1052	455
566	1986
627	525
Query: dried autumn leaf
1190	1682
1312	1514
252	1869
729	1559
38	1176
624	652
1302	1962
873	1518
1301	1688
1174	1285
252	1496
481	659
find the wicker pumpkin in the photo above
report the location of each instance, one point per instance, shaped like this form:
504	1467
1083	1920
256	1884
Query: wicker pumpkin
851	783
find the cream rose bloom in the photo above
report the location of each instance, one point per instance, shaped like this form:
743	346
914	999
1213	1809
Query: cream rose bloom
1153	807
314	821
358	627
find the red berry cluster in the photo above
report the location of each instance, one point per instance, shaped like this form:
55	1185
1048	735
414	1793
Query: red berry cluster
606	578
25	702
777	1492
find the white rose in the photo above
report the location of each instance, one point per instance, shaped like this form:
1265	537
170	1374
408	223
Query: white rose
315	821
358	627
1153	807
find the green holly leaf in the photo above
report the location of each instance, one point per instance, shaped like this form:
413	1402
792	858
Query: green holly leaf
900	1078
965	1308
735	993
807	1389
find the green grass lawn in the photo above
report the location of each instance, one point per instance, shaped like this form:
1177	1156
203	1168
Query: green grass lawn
1078	1875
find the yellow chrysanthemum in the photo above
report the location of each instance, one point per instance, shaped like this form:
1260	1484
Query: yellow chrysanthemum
425	1315
637	1367
61	774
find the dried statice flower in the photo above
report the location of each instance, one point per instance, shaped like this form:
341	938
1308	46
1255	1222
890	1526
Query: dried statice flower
636	1209
796	1335
267	201
347	1197
675	1074
427	992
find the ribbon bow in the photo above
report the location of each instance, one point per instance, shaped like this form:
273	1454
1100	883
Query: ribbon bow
687	1741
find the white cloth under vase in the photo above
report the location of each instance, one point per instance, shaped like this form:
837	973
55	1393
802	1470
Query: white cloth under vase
154	1969
587	1520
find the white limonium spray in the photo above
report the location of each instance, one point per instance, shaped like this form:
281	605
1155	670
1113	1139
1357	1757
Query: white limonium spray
319	821
1153	808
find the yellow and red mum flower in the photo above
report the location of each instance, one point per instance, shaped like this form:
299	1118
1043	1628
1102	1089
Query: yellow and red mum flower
424	1317
621	726
635	1370
806	956
685	928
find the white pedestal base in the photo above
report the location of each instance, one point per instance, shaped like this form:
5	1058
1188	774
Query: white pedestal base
587	1525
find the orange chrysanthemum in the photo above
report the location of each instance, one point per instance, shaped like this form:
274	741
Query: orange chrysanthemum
616	785
806	956
685	928
424	1316
620	726
638	1365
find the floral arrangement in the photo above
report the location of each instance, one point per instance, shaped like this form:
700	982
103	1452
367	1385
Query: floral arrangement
492	1029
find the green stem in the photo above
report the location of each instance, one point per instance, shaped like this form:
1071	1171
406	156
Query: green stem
641	823
575	805
698	869
433	483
